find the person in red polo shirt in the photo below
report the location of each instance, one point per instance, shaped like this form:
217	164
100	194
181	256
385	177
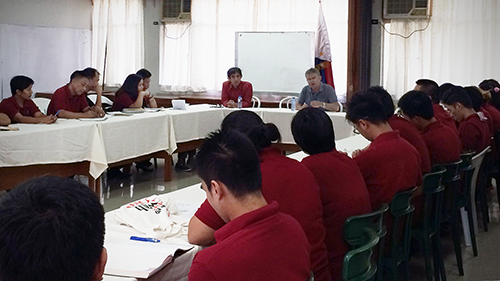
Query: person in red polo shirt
70	102
284	180
257	242
473	131
431	88
20	108
342	188
406	130
443	144
390	163
234	87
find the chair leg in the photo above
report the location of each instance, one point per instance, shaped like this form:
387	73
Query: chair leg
427	257
439	272
484	206
497	183
455	233
472	231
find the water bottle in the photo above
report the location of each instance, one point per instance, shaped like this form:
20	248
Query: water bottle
240	101
293	103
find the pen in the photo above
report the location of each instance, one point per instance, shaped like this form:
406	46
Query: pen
57	112
143	239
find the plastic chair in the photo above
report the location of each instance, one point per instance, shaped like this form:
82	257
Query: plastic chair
42	103
482	185
358	264
428	233
353	231
255	100
286	100
106	102
341	107
495	170
477	163
401	211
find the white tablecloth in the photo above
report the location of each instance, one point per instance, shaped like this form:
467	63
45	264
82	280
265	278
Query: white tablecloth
125	137
66	141
188	200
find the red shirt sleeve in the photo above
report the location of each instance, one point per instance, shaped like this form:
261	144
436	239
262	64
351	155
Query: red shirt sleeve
225	92
247	92
8	107
58	101
31	106
209	216
470	136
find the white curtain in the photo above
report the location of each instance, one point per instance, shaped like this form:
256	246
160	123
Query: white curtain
196	56
117	25
460	45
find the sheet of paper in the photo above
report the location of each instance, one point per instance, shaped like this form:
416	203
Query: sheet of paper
138	259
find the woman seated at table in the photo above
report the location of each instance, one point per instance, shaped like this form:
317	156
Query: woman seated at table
132	95
284	180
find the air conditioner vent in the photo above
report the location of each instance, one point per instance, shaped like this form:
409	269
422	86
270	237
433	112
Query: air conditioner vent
176	11
410	9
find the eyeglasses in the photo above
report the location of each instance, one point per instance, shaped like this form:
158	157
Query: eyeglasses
355	131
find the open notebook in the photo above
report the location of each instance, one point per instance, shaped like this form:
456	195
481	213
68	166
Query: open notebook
140	259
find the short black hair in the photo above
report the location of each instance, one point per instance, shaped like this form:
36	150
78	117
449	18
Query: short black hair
430	87
77	75
90	72
20	83
52	229
230	157
312	130
234	70
144	73
385	99
416	103
366	105
475	96
443	88
250	124
456	94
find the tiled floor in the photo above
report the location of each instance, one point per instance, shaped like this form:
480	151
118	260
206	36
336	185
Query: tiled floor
483	267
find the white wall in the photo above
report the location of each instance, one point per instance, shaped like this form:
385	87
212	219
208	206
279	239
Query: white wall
46	40
53	13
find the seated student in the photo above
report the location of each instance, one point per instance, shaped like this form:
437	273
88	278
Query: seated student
473	132
390	164
234	87
132	94
284	180
443	144
493	87
146	78
70	102
431	88
4	119
52	229
20	108
342	188
258	242
93	75
478	103
317	93
406	130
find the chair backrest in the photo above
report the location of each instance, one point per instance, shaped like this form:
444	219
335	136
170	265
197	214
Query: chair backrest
341	107
401	211
353	226
451	173
42	103
433	199
358	264
477	161
286	100
255	102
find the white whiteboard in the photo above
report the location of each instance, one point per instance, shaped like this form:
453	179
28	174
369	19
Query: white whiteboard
275	61
46	54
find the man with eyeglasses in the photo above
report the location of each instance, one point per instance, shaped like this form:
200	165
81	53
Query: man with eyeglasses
390	163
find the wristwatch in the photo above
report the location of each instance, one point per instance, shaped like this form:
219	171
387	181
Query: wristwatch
324	105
